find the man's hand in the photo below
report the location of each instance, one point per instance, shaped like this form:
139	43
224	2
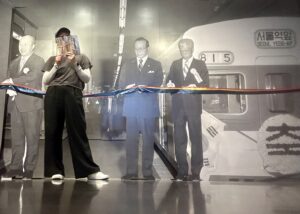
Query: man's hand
58	59
130	86
11	93
8	81
192	86
71	56
170	84
70	60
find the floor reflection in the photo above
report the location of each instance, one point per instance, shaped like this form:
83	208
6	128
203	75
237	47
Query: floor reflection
115	196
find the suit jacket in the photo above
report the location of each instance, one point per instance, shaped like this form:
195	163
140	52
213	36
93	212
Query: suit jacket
189	104
144	105
32	79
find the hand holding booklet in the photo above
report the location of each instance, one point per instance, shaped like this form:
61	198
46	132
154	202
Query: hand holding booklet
67	44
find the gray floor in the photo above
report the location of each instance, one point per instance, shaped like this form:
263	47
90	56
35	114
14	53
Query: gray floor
164	196
39	196
110	155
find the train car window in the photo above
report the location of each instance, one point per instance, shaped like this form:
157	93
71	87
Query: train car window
281	103
223	103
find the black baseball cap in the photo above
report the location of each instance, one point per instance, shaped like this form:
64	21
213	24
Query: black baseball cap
61	31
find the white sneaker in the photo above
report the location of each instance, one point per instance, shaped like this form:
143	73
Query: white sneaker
98	176
57	182
57	177
97	183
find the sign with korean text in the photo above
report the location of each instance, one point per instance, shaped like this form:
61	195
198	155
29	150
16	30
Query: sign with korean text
275	38
279	144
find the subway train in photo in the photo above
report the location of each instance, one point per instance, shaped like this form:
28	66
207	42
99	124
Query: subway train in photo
245	137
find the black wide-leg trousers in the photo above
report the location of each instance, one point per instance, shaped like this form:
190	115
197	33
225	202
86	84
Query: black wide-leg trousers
64	103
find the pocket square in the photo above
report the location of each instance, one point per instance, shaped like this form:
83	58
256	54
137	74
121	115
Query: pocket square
151	72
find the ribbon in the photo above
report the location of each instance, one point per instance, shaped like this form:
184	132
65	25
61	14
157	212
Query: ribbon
150	89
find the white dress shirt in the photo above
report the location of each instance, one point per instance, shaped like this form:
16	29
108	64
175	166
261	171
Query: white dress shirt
23	61
189	62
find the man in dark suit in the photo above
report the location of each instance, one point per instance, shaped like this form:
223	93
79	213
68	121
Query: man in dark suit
26	112
187	108
140	109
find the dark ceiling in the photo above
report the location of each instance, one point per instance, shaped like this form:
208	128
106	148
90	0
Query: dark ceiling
171	17
161	21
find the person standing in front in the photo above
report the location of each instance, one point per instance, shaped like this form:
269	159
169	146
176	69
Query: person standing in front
65	77
140	109
26	112
187	109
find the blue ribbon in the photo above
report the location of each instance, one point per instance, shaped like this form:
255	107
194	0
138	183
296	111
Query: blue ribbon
147	89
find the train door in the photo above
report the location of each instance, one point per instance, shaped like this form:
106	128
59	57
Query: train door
238	112
278	136
278	77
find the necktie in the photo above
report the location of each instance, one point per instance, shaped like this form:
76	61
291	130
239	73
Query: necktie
185	69
22	62
140	64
